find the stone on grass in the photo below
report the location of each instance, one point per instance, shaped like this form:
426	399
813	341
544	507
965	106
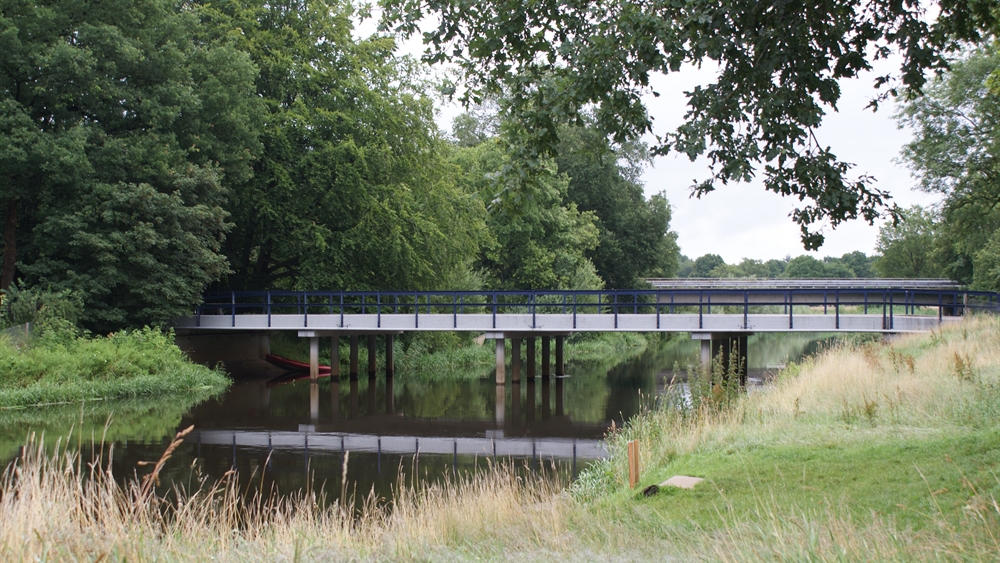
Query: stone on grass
682	482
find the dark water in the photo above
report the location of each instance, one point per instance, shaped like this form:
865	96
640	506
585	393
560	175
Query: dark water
289	437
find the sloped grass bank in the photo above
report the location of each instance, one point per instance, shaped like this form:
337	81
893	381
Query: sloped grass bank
871	451
61	367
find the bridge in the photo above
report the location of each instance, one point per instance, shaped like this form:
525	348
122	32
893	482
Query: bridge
720	313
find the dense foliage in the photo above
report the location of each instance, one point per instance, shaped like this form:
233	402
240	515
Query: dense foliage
152	148
121	123
956	153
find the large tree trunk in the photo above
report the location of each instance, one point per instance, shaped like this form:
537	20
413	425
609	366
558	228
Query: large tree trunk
9	245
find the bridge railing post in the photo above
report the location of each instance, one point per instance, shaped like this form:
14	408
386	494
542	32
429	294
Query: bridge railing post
701	320
836	311
746	307
791	307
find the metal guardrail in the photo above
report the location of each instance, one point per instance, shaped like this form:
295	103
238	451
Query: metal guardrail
777	283
884	301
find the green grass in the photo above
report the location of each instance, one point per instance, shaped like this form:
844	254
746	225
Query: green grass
62	367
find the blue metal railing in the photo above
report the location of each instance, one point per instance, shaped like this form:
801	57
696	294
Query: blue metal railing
614	302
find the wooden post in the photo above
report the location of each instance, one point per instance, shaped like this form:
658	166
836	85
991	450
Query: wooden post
371	355
313	358
633	463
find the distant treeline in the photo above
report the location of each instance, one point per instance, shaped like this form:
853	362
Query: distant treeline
851	265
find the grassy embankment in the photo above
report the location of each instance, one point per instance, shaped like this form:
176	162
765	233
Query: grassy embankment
447	356
870	451
61	366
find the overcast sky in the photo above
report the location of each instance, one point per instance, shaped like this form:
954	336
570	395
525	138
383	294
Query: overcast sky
743	220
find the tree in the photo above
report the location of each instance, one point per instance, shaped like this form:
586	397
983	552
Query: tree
352	189
956	152
634	238
779	66
906	248
704	265
804	267
540	243
122	124
860	264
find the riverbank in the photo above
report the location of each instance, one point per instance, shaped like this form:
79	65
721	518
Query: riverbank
869	451
60	367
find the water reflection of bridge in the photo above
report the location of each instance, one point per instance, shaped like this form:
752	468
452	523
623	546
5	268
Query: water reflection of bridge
310	439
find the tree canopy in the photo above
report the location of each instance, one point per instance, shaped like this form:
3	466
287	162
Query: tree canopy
778	62
121	123
956	152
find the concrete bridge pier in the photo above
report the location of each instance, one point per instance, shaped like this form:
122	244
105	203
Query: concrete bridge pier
390	402
313	359
560	365
372	368
390	363
515	360
730	349
546	367
354	357
334	358
501	361
530	352
335	397
314	401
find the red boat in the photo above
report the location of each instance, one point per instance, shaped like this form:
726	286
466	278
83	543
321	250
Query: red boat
293	365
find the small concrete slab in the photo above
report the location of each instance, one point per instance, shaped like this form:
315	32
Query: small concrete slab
682	482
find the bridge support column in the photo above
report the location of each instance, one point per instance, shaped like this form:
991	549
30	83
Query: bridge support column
501	359
726	352
529	393
390	363
354	357
546	399
354	398
334	357
560	364
335	398
390	399
314	401
314	358
530	352
560	396
546	367
372	368
501	406
515	360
